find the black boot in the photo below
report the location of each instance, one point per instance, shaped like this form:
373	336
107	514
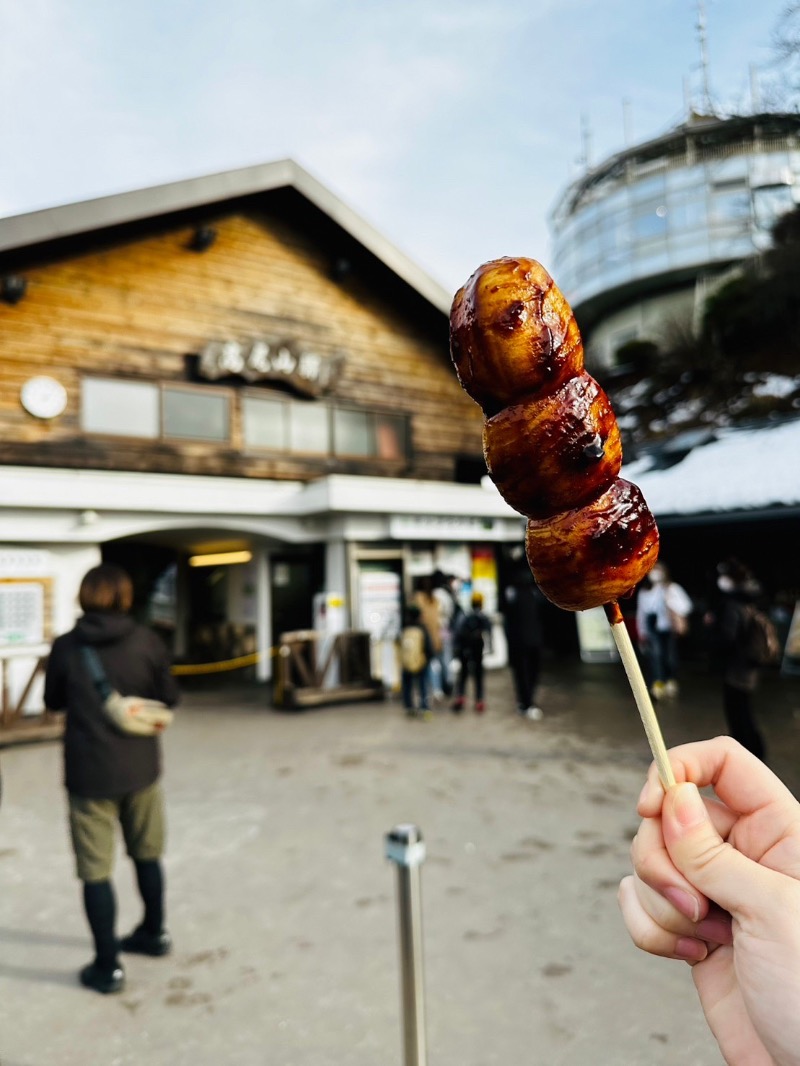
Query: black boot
104	974
140	942
102	980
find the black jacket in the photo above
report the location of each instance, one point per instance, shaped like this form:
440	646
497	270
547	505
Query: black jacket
522	614
739	671
100	762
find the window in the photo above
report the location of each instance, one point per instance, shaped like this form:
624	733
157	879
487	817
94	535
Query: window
352	433
195	414
308	428
729	206
650	221
652	188
770	203
143	409
687	213
271	421
391	437
125	408
264	422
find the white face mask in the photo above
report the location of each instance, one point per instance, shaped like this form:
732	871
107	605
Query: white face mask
724	583
657	577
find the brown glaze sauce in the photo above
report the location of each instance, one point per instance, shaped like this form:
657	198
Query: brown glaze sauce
509	326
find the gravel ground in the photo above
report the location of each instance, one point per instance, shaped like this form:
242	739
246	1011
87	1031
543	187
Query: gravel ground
283	907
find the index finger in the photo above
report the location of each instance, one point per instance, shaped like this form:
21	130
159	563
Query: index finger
742	781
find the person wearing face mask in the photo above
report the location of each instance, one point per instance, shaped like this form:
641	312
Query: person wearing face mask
662	616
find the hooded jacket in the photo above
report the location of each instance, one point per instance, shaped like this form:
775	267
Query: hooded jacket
99	761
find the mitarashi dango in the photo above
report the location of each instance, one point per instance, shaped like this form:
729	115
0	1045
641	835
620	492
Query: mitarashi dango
551	441
556	452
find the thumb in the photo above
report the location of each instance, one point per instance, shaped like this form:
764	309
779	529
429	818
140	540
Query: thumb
722	873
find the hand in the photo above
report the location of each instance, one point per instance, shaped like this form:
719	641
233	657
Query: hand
716	883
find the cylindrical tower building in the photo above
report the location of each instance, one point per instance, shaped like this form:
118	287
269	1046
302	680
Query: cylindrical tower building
638	239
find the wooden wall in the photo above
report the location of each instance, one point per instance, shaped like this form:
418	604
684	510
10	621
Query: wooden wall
139	308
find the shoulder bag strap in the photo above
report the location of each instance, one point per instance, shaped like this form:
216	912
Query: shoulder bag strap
98	675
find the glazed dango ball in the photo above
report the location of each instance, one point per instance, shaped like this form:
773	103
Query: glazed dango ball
512	334
551	440
554	452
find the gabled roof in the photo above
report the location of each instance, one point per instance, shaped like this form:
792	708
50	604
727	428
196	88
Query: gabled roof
90	216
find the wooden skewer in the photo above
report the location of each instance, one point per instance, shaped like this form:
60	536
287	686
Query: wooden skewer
640	694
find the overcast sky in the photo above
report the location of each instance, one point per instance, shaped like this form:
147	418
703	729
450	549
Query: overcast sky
452	127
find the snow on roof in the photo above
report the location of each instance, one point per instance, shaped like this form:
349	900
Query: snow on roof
740	470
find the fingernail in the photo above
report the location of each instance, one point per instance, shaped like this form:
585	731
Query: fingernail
647	791
684	902
688	805
690	950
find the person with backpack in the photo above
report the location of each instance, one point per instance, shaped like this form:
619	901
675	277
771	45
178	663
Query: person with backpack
746	642
473	631
416	651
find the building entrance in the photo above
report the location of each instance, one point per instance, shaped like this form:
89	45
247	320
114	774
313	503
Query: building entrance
296	576
203	602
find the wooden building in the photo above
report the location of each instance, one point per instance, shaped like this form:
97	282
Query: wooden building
230	364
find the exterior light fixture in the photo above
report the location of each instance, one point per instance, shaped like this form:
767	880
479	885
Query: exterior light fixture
341	268
13	288
202	238
220	558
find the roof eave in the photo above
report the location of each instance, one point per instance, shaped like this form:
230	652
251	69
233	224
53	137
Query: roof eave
70	220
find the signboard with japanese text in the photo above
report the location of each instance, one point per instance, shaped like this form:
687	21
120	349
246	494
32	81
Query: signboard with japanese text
271	359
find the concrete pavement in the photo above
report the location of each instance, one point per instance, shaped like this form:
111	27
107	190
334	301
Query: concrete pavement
282	905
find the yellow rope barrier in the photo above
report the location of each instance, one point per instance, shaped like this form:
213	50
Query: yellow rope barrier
220	667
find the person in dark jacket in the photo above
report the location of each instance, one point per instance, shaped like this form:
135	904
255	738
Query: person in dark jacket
523	628
739	589
112	777
474	632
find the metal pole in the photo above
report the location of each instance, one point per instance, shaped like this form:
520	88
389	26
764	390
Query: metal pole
406	848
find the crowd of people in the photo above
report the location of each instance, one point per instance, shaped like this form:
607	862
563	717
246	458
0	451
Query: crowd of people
442	647
739	637
450	640
715	880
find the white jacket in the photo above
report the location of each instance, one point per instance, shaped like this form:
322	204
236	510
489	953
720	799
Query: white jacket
660	600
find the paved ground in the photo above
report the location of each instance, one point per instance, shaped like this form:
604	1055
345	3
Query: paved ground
283	907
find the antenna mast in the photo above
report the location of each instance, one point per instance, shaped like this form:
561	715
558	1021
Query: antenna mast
703	42
586	142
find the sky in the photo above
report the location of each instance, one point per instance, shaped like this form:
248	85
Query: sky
451	127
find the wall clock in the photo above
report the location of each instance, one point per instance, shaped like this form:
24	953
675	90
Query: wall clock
43	397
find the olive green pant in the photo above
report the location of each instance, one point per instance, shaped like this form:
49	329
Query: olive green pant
93	828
